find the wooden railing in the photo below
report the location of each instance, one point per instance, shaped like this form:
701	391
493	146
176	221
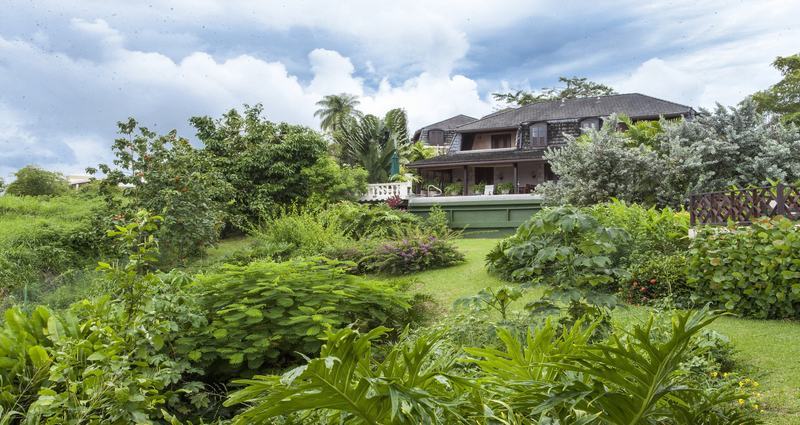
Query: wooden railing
741	206
384	191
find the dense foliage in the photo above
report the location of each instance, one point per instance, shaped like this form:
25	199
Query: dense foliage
377	238
729	146
372	142
266	313
34	181
753	271
167	175
269	165
613	247
544	377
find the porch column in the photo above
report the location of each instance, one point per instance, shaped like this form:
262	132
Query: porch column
516	179
466	188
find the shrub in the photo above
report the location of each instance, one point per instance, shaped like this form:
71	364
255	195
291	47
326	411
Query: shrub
505	187
752	271
657	277
34	181
413	253
265	313
652	231
301	231
360	221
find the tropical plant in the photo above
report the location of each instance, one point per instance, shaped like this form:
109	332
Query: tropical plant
34	181
567	251
575	88
370	142
335	110
783	98
498	299
752	271
419	151
346	384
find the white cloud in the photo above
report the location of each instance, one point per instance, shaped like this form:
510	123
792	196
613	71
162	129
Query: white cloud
93	93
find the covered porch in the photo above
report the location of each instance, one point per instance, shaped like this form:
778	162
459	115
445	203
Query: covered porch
512	177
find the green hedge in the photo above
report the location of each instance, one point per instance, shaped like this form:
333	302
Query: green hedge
753	271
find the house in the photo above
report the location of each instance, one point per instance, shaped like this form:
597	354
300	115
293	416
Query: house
508	145
439	134
75	182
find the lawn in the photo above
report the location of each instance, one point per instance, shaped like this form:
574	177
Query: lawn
769	350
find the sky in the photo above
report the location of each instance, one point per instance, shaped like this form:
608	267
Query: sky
70	70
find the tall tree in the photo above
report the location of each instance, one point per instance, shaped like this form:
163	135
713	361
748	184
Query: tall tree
783	98
575	88
335	109
371	141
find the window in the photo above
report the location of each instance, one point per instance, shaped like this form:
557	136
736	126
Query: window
590	123
501	141
539	134
435	137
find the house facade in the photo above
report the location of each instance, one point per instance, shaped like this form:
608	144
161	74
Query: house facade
507	146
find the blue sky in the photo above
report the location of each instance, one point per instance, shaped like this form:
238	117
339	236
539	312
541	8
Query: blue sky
70	70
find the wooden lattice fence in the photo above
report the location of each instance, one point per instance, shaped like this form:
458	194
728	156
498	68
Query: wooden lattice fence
741	206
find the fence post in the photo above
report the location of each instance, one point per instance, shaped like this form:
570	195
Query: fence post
691	210
780	199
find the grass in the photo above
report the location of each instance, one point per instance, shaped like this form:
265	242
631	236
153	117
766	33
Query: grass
767	350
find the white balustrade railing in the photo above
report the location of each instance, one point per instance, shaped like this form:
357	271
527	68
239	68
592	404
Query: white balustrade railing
384	191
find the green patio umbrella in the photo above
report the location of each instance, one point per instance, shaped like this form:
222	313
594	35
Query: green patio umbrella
395	167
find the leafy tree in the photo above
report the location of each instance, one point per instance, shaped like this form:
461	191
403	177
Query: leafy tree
165	174
663	164
34	181
263	162
783	98
2	184
330	182
371	141
575	88
335	110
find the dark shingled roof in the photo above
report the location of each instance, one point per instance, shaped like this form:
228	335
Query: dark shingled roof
448	124
634	105
482	156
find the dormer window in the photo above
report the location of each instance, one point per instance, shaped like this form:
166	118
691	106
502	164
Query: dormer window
539	134
590	124
436	137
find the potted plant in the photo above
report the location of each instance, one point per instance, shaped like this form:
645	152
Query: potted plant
478	188
505	188
453	189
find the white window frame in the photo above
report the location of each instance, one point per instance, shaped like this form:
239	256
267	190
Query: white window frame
590	124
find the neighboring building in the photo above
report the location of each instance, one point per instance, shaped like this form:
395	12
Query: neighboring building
76	182
440	134
508	145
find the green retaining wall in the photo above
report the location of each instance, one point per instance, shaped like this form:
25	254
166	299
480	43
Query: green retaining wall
481	212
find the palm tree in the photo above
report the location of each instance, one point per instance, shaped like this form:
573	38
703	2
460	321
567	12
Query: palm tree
335	109
371	141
